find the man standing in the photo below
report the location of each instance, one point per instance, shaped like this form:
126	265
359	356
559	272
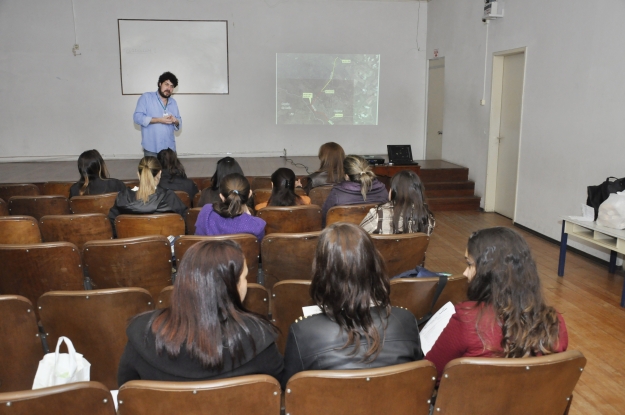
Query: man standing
157	114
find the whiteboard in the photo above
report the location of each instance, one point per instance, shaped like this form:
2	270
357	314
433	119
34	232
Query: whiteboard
196	51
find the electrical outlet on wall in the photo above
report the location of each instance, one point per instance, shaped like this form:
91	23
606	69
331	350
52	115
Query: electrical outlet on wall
75	50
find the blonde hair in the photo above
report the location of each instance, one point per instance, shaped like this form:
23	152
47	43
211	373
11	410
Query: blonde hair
358	170
148	169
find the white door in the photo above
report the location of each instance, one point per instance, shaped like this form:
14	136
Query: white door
436	87
509	134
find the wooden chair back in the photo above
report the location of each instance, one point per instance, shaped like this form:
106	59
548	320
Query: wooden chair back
455	291
7	190
252	394
184	197
93	203
403	389
190	220
19	230
131	183
259	182
77	228
261	196
196	199
95	321
20	348
288	256
57	188
531	385
402	252
91	398
348	213
248	242
318	195
198	181
289	219
130	226
164	297
4	208
143	261
207	182
39	206
287	299
417	294
31	270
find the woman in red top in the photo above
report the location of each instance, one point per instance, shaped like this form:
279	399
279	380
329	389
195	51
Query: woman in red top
506	315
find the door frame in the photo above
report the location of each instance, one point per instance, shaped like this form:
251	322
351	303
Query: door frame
495	123
427	102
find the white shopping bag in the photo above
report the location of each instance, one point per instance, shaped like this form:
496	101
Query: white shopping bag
61	368
612	211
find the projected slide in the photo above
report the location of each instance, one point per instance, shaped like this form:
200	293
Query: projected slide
327	89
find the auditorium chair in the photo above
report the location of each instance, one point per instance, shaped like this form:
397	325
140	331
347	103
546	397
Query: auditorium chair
20	345
529	385
198	182
143	261
318	195
91	398
287	299
190	219
252	394
164	297
77	228
95	321
401	252
38	206
261	196
196	199
289	219
19	230
259	182
184	197
206	183
288	256
93	203
248	242
131	183
165	224
31	270
348	213
17	189
4	209
57	188
403	389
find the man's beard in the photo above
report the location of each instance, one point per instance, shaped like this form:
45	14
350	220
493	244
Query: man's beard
161	94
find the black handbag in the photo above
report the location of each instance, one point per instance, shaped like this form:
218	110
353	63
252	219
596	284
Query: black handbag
598	194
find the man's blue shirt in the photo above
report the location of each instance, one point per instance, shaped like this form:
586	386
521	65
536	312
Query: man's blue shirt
156	137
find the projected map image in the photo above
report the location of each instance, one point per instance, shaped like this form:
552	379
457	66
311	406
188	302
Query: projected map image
327	89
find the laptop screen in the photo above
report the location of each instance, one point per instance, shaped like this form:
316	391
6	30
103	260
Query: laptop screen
399	153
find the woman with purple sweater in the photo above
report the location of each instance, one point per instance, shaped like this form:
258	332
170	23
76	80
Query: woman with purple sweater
231	214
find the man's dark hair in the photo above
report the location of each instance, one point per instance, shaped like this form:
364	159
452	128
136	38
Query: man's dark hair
168	76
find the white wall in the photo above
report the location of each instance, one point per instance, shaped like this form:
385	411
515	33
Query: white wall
573	124
55	104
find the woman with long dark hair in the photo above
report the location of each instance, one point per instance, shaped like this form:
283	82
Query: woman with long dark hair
173	175
356	327
206	332
506	315
331	156
225	166
406	212
94	176
283	190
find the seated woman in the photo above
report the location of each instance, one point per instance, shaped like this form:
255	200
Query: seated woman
331	156
94	176
231	214
173	176
150	198
506	315
225	166
283	190
407	211
361	186
357	327
206	332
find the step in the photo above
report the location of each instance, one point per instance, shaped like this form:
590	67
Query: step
459	174
440	204
449	189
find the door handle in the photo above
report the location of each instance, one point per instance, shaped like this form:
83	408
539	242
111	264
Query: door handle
440	133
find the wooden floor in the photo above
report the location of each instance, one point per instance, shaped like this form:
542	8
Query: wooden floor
588	297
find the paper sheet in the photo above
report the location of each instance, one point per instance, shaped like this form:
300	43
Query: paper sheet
435	326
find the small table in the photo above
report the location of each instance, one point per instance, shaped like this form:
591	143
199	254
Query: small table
613	239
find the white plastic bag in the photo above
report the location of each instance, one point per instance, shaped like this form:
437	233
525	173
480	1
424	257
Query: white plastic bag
61	368
612	211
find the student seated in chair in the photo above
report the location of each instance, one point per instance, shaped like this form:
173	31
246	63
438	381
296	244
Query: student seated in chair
283	190
173	176
331	156
94	176
225	166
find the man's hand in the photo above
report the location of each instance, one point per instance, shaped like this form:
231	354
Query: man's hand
168	119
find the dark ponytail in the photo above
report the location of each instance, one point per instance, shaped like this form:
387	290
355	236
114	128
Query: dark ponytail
235	189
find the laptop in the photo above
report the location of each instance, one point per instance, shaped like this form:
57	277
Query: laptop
400	155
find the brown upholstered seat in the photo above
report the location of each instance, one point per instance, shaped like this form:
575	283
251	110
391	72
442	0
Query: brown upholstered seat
57	188
91	398
288	256
143	261
288	219
20	347
190	220
403	389
259	182
248	242
17	189
77	229
4	208
95	321
318	195
401	252
93	203
348	213
253	394
165	224
287	299
31	270
38	206
184	197
532	385
19	230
